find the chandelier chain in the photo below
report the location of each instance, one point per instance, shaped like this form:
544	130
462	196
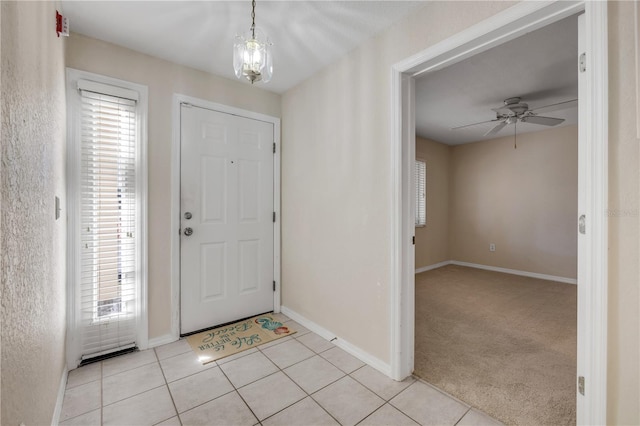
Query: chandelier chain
253	18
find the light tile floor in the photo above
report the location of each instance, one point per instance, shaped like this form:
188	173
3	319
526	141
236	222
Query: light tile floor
298	380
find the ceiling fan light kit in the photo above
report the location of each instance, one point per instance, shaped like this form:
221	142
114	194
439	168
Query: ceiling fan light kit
514	111
252	53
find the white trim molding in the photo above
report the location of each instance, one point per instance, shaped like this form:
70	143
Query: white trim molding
348	347
179	99
498	269
162	340
517	272
516	21
60	399
433	266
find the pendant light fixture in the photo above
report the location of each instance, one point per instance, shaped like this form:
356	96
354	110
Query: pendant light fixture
252	53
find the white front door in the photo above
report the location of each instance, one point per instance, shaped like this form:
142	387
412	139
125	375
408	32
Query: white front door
226	218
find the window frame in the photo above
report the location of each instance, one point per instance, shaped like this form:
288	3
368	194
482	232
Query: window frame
74	146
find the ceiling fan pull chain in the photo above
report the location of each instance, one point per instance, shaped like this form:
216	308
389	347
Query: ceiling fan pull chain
515	135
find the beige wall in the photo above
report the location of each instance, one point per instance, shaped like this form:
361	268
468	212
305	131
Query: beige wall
624	231
336	245
523	200
432	240
163	80
33	242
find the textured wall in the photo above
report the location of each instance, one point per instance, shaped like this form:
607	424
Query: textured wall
163	80
33	242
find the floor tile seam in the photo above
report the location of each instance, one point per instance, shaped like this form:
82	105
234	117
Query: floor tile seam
134	395
374	411
174	355
376	393
273	343
178	413
460	419
317	390
190	374
321	406
280	370
433	387
175	415
295	363
67	387
277	366
244	354
284	408
101	379
406	414
166	383
129	369
249	407
336	366
80	415
313	350
441	391
237	391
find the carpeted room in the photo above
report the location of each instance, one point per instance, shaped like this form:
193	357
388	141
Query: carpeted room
496	252
501	342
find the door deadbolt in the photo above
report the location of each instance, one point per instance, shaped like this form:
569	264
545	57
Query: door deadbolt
188	231
188	215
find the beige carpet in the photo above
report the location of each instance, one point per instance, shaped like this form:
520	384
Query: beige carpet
502	343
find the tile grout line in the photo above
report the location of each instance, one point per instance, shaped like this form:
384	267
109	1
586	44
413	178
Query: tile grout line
462	417
166	384
101	396
235	389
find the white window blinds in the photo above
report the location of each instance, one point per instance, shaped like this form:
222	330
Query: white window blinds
421	193
108	218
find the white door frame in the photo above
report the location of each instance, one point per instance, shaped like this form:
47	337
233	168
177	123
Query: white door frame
593	145
179	99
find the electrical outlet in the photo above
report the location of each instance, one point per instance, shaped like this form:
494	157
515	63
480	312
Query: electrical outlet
492	247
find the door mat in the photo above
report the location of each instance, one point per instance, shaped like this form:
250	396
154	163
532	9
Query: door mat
217	343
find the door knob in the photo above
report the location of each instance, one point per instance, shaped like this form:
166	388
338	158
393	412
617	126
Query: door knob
188	231
187	215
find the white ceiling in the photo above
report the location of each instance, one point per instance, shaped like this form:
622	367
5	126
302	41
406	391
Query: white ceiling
540	67
307	35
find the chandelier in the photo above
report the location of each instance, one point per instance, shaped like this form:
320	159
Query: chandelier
252	53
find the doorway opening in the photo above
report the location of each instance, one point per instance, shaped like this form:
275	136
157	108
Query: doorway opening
592	172
495	322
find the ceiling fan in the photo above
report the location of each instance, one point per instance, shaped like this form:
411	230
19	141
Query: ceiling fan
514	110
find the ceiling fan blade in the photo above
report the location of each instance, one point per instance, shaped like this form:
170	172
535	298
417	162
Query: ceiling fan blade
555	107
545	121
496	129
474	124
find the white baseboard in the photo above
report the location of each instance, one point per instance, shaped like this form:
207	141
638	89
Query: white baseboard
162	340
516	272
434	266
350	348
58	409
498	269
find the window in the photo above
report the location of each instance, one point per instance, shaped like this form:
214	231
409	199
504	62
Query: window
421	193
107	201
